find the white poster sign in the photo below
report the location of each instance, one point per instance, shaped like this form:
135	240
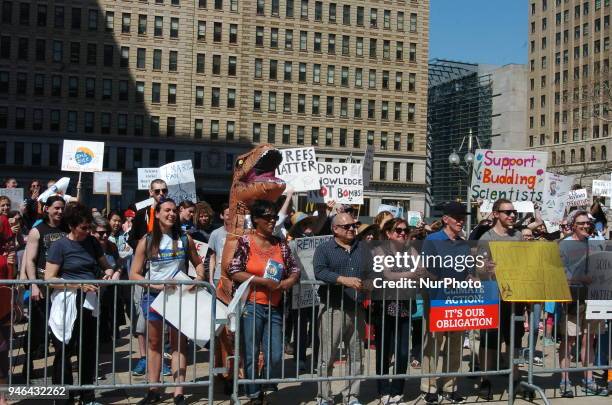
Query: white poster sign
202	249
299	169
234	309
578	198
556	192
100	180
146	175
339	182
510	174
600	289
144	204
303	249
368	165
82	156
15	195
602	188
414	218
393	209
189	311
180	180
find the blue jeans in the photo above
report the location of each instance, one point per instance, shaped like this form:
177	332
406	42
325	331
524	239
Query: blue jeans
261	330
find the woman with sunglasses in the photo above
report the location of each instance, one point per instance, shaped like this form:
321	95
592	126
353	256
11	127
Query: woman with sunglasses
391	313
166	249
269	261
72	318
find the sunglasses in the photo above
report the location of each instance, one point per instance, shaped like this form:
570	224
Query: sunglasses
346	227
400	231
159	191
509	212
269	217
102	233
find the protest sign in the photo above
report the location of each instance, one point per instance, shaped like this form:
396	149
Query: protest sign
465	309
578	198
144	203
599	298
368	165
340	182
414	218
189	311
180	181
393	209
510	174
15	195
299	169
602	188
303	250
60	187
146	175
102	178
529	271
520	206
202	249
234	309
556	192
82	156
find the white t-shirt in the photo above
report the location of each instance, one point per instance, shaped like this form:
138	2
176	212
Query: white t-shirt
168	262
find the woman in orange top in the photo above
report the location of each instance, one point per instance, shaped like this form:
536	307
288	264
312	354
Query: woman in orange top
269	261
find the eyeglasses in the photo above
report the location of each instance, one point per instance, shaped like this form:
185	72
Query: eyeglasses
564	226
346	227
509	212
269	217
399	231
159	191
102	233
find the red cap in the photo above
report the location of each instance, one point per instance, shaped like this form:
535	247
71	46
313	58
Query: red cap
129	213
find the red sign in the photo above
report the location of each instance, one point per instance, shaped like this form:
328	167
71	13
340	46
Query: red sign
458	318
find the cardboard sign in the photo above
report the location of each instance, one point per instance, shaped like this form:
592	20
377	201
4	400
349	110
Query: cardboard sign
466	309
414	218
368	165
530	271
146	175
520	206
578	198
180	180
60	187
556	192
15	195
514	175
100	180
339	182
144	204
393	209
82	156
602	188
305	295
299	169
202	249
189	311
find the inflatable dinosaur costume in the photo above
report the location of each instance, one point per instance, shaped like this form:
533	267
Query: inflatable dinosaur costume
254	179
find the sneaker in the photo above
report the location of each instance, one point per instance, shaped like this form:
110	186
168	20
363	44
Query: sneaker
152	397
385	400
537	361
466	342
430	398
166	370
321	401
454	398
566	389
548	342
354	402
167	356
141	367
397	400
590	387
179	400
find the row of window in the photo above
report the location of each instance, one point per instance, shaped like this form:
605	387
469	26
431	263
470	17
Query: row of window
578	134
598	46
590	94
598	68
565	15
107	123
331	40
331	14
594	156
331	75
577	32
585	7
586	112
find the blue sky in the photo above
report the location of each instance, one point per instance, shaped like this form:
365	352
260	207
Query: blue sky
479	31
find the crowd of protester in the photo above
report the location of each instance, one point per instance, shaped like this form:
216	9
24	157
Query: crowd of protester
60	238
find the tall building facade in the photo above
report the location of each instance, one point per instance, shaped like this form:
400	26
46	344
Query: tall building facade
205	80
569	86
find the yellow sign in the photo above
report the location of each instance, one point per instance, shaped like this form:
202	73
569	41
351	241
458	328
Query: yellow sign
530	271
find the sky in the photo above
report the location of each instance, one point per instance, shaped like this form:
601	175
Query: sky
479	31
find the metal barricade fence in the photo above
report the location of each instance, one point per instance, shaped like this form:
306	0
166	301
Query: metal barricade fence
341	338
99	339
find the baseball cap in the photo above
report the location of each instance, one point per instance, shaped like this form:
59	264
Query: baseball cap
454	208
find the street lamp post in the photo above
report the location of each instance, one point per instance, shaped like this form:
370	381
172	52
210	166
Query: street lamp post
468	158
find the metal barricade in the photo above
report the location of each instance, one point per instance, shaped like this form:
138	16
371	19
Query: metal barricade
308	367
110	365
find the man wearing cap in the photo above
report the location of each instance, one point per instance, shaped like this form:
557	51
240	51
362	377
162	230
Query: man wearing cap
445	242
143	222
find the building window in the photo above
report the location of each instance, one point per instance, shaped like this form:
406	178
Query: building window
382	173
142	24
158	28
286	134
233	34
271	133
200	63
122	124
409	171
171	127
256	132
126	21
314	136
171	93
199	98
89	121
315	105
174	27
155	93
105	123
231	98
230	130
300	135
173	61
216	67
157	59
217	32
198	128
329	136
287	102
215	97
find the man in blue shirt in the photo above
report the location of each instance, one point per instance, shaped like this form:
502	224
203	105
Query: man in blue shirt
445	242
